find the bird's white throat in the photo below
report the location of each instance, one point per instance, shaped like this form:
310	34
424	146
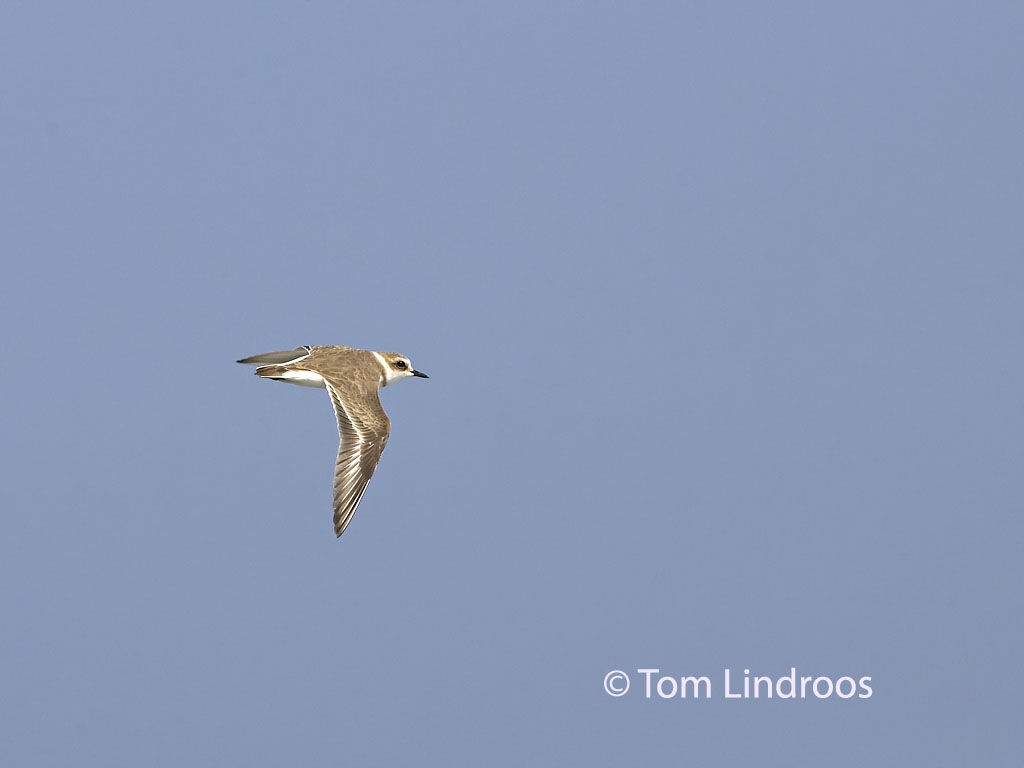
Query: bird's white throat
388	375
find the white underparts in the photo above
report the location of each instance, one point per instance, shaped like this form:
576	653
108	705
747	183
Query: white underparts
303	378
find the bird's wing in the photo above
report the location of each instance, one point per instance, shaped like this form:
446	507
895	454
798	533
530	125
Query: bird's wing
363	427
277	358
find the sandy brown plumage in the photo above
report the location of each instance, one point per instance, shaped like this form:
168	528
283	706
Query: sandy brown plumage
353	378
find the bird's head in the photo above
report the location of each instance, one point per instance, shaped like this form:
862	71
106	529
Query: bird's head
397	367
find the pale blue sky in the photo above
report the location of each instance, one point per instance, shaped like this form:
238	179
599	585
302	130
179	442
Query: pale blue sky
722	308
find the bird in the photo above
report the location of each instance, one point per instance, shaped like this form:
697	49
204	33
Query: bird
353	378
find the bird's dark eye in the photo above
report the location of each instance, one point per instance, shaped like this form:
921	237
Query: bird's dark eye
400	365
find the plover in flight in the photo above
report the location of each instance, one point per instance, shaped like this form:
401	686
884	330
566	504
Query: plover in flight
353	378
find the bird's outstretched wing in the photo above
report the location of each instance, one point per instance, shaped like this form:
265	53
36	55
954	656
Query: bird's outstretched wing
277	358
363	427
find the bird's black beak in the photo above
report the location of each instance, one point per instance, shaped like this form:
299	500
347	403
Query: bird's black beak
421	374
